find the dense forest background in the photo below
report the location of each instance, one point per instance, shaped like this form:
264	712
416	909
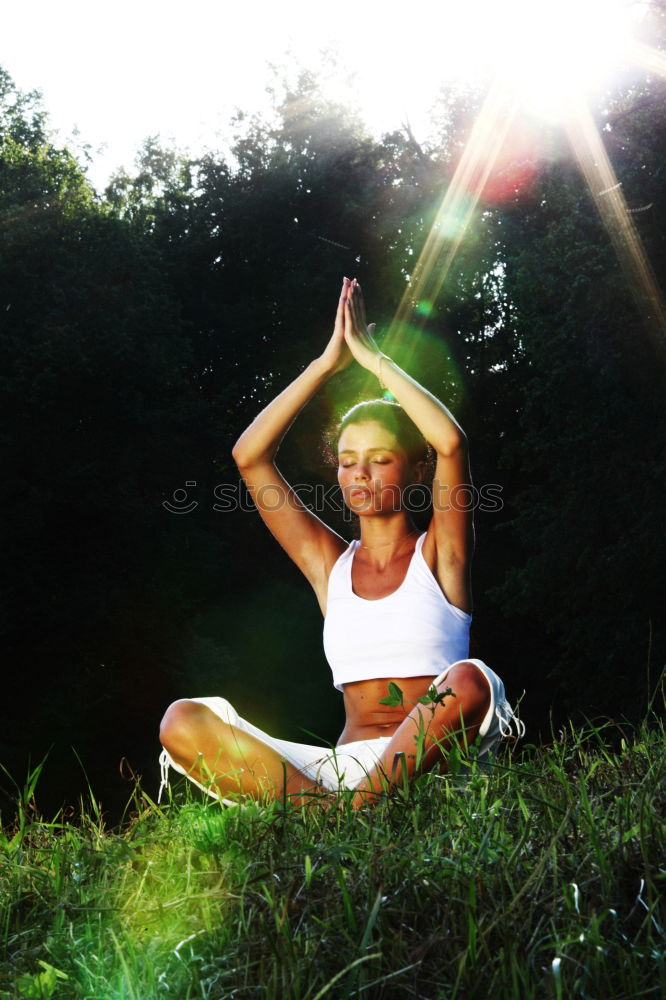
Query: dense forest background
143	328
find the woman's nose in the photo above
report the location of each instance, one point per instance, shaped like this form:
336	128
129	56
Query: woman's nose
361	471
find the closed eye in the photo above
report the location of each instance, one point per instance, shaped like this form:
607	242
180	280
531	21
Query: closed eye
347	463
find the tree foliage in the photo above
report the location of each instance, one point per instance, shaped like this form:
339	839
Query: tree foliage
586	578
143	329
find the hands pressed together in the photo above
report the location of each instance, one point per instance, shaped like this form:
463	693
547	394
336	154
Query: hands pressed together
352	338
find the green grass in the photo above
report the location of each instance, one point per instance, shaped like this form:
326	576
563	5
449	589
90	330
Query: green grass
539	876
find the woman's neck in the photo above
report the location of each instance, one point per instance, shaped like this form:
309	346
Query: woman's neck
382	540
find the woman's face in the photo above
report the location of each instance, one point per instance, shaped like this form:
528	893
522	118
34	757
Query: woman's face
373	470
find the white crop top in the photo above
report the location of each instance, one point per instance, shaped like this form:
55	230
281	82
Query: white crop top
413	632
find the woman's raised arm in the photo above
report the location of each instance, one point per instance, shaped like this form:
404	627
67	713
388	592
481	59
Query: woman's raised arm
449	543
311	544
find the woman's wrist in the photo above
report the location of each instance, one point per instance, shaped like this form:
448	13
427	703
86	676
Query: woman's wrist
378	373
381	365
322	368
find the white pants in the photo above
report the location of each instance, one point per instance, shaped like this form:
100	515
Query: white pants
346	765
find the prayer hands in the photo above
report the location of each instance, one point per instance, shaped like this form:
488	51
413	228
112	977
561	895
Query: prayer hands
352	337
337	355
357	334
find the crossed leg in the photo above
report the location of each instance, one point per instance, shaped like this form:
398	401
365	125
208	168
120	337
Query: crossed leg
420	742
226	759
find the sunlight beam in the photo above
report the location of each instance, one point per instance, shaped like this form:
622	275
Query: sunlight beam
647	58
458	206
548	63
611	205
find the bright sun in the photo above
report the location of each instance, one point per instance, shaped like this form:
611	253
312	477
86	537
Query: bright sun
545	54
550	61
549	54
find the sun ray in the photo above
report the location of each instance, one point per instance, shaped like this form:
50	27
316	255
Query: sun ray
456	211
607	193
589	47
646	57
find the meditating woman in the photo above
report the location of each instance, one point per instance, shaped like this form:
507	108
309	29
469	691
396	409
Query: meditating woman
396	603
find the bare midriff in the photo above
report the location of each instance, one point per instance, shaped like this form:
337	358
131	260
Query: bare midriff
366	718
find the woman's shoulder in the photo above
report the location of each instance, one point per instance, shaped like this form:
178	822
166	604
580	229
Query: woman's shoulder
452	576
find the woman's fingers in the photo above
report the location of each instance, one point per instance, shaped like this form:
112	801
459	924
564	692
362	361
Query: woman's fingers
360	305
350	296
357	310
355	323
349	319
340	314
341	305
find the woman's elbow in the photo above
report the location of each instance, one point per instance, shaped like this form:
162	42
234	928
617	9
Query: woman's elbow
453	445
243	452
247	457
239	454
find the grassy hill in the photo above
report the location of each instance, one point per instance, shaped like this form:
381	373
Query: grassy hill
541	875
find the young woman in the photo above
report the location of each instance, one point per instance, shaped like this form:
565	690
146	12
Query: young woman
396	603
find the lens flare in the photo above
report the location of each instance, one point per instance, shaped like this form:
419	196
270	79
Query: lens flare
458	207
546	61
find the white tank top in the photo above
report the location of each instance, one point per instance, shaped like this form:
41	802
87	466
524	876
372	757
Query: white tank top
413	632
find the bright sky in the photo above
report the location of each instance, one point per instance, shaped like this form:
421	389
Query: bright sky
120	72
123	71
